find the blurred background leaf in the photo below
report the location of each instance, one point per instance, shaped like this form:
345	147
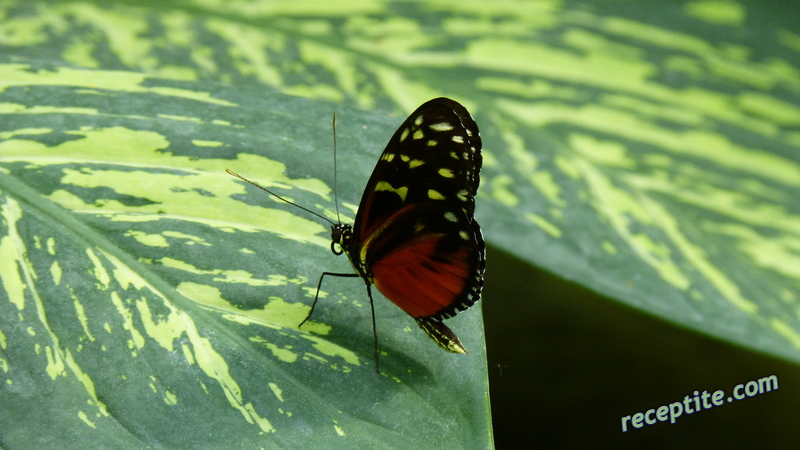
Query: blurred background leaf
646	151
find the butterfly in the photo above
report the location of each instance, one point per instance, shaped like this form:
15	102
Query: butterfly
415	236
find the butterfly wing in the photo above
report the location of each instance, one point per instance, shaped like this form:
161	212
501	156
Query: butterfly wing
435	151
415	236
436	272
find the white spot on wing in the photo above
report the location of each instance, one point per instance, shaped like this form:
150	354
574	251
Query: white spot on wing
441	126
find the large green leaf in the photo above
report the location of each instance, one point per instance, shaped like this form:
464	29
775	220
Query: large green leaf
645	150
160	298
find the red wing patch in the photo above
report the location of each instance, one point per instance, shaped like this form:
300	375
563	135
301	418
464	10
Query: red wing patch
421	280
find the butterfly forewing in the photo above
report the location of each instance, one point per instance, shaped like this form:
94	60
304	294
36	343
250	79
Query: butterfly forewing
434	154
415	236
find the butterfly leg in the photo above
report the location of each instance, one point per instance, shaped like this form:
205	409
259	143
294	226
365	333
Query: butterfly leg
374	328
371	306
319	285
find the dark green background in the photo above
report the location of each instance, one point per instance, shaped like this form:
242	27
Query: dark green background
565	365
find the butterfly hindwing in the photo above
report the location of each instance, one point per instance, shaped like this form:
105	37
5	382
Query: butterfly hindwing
428	260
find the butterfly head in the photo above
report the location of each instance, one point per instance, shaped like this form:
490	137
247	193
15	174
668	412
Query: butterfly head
341	234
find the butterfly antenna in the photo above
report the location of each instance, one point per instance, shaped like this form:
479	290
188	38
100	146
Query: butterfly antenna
279	197
335	187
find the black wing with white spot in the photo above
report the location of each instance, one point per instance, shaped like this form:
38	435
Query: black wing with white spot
434	155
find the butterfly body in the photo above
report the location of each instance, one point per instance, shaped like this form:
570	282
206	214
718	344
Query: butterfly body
414	236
